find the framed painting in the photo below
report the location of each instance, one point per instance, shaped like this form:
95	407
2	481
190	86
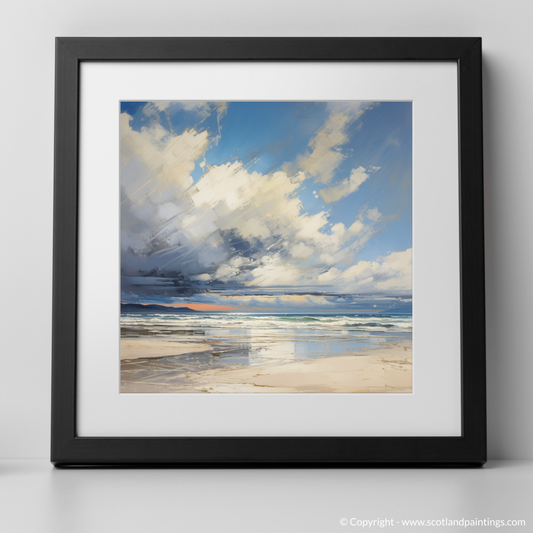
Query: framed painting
268	251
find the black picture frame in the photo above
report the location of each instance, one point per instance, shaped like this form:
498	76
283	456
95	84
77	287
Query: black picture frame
68	449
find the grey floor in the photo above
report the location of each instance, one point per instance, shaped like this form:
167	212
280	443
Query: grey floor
35	497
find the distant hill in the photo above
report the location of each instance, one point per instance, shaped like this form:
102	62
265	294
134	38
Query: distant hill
153	308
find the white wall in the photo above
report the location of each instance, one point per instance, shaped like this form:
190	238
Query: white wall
26	132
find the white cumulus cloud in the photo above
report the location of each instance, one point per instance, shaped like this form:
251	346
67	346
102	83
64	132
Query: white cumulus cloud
324	154
345	187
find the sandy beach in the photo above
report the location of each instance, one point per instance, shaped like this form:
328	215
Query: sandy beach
385	369
131	349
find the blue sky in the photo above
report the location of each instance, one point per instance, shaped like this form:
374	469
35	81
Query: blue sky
277	204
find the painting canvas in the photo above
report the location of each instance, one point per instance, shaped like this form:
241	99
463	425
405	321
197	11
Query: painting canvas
266	247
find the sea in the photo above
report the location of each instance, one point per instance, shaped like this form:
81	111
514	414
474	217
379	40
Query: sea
256	338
